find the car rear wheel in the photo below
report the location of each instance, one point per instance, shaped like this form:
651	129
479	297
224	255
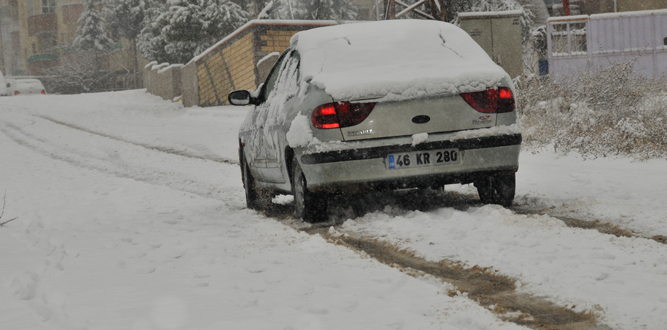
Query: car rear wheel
309	206
497	189
252	197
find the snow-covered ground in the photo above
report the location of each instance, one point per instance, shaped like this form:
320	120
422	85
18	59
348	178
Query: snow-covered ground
131	215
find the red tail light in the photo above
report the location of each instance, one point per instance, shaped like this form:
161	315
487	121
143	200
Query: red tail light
325	117
492	100
17	92
43	91
341	114
505	100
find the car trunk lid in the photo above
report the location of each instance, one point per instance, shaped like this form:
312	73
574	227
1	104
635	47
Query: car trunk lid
428	115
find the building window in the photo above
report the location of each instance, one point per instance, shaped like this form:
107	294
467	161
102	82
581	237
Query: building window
48	6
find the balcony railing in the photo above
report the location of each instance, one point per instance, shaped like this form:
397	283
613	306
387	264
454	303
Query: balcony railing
43	57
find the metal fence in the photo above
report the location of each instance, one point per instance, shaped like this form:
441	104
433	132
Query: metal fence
587	42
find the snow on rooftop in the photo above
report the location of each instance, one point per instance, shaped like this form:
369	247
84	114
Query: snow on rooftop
492	13
394	60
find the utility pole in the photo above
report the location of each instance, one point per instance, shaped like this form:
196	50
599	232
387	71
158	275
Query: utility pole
566	7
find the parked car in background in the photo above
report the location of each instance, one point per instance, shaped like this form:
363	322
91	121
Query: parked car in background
25	86
379	106
3	85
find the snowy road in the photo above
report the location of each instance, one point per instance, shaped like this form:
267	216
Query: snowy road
131	215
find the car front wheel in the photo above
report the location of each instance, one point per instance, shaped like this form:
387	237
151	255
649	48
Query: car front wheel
497	189
309	206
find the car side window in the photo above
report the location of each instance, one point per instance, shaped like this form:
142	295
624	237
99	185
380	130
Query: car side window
270	82
281	86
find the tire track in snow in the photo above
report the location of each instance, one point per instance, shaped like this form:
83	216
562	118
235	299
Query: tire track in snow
183	153
600	226
105	159
489	288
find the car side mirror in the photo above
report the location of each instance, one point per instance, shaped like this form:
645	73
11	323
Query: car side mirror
241	97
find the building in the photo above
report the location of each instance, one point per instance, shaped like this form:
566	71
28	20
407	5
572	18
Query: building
10	39
37	35
47	29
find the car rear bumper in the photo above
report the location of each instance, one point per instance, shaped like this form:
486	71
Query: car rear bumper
366	168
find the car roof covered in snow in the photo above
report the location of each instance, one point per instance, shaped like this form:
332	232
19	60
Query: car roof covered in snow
394	60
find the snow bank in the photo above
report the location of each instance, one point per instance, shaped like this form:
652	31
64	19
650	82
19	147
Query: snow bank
394	60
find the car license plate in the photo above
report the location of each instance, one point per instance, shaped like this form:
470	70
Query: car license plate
423	158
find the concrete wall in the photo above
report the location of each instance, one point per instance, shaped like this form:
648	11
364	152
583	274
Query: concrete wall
169	82
189	85
163	80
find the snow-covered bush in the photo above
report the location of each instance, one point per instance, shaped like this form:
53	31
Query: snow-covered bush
602	112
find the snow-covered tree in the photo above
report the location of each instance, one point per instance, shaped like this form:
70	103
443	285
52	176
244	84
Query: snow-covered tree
194	25
150	41
313	9
125	19
93	42
181	29
92	33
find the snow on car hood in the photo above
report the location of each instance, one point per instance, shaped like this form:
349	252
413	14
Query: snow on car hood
394	60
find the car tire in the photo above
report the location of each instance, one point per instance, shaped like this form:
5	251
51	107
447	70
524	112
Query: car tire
252	197
308	206
497	189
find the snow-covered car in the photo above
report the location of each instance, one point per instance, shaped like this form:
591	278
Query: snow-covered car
379	106
25	86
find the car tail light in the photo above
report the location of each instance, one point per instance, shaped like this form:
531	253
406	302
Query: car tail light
17	92
43	91
505	100
340	114
325	117
491	100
